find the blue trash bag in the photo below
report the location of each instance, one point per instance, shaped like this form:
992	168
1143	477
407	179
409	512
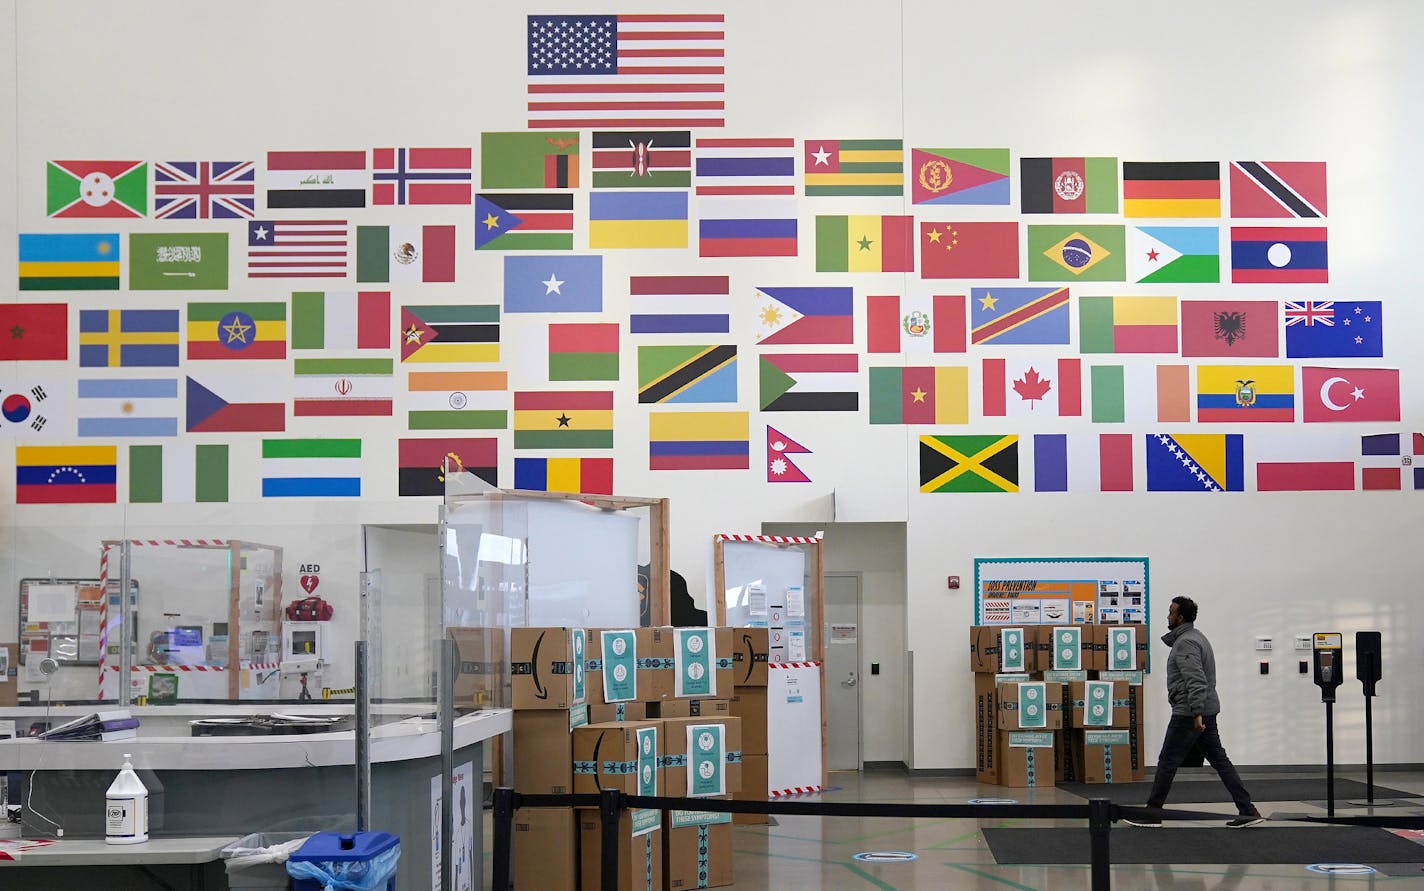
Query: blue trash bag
349	875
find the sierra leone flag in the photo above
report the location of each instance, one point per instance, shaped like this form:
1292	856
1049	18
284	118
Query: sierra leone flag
1175	254
311	468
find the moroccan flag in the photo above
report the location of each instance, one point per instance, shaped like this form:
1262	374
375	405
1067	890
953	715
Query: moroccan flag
589	476
969	463
69	262
805	315
424	463
178	472
209	412
687	373
34	332
921	395
915	324
1127	324
642	159
865	244
1033	388
1195	462
1321	329
1350	394
1170	189
528	221
1234	328
548	160
66	474
178	261
959	176
96	189
1068	185
563	419
1246	393
420	176
1270	189
583	351
1136	393
1175	254
969	250
457	400
341	320
449	333
405	254
1018	315
1085	253
705	440
1094	462
840	167
254	330
1279	255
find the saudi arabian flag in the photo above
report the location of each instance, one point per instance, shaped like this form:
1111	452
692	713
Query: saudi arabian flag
178	472
1175	254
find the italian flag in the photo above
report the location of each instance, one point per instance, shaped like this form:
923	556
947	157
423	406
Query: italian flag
348	320
176	472
404	254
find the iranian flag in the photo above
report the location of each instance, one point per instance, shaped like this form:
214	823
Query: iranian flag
405	254
342	387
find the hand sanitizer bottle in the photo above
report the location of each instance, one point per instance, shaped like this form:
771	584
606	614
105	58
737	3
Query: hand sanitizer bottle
126	808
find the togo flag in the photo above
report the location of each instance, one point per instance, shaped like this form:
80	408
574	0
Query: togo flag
178	472
403	254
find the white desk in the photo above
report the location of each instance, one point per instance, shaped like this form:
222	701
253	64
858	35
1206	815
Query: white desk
95	852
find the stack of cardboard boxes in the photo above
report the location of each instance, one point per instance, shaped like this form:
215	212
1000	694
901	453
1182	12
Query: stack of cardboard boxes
637	710
1058	703
751	651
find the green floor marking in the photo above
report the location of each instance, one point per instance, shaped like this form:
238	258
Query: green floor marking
879	883
990	876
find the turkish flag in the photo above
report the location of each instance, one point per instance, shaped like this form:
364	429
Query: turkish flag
1350	394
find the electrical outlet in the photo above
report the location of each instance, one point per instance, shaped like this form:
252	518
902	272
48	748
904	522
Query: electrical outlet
1303	641
1264	643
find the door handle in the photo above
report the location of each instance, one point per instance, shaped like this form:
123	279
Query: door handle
850	681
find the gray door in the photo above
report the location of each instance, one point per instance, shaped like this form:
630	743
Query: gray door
843	671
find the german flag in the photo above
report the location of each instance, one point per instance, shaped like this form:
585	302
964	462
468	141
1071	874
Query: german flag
1171	189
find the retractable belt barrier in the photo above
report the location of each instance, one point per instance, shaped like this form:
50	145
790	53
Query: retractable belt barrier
611	803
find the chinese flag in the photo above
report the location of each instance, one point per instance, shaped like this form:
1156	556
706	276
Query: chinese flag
969	250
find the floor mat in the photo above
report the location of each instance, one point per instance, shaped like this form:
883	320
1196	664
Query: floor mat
1205	791
1214	844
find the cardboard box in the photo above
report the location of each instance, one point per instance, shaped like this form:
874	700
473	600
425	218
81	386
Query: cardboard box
604	712
701	658
679	762
726	664
1030	705
657	674
1109	706
547	667
613	665
751	648
988	653
546	848
756	786
618	756
1026	758
543	750
1136	718
692	708
480	653
9	674
986	729
697	851
640	851
1103	756
1128	638
749	704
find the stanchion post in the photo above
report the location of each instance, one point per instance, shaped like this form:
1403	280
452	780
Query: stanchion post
1330	758
503	836
1099	825
610	811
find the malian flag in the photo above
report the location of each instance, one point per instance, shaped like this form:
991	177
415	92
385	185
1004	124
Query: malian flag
915	323
1033	388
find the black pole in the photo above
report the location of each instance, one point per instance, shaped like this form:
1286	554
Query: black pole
1369	752
1330	758
503	836
610	811
1099	825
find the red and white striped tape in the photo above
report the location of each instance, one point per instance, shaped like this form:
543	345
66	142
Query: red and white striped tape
103	614
769	539
796	790
256	666
793	665
181	542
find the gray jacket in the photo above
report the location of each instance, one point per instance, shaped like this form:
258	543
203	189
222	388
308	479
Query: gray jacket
1191	672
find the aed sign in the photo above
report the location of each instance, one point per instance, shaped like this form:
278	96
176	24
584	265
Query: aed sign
311	568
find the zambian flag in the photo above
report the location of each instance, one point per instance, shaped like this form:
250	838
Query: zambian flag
563	419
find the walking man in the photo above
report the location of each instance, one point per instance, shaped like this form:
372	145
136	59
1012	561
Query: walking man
1191	690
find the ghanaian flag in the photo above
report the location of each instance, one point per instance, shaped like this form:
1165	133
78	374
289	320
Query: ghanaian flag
563	419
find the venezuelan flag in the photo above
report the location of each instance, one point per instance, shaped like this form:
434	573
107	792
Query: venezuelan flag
66	474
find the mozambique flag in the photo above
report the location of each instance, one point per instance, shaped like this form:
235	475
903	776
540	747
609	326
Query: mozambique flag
836	167
865	244
424	463
919	395
583	351
446	333
969	463
69	262
529	160
687	373
89	189
256	330
588	476
563	419
525	221
1171	189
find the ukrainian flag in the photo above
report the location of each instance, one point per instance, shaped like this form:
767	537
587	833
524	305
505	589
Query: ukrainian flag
69	262
637	220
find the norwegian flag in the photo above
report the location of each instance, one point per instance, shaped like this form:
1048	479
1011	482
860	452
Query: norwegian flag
200	190
420	176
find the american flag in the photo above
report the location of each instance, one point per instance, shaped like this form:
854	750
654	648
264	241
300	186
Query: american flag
297	249
1310	312
626	71
200	190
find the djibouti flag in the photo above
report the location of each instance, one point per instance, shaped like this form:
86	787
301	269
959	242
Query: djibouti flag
178	472
311	468
1175	254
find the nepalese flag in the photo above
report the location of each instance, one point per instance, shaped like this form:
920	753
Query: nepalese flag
626	71
201	190
1319	329
421	176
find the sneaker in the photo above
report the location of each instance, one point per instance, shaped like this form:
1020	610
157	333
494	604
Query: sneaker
1245	820
1143	822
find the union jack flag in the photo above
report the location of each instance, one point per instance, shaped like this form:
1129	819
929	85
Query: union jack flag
1310	312
200	190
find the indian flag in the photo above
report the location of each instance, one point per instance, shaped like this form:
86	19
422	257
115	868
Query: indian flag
178	472
311	468
343	387
458	400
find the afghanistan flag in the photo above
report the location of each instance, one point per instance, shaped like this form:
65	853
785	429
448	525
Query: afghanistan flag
449	333
1068	185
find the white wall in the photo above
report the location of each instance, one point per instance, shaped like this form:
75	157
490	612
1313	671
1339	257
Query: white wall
1314	81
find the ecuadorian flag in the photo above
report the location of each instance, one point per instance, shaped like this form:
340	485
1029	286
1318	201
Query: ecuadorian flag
1234	393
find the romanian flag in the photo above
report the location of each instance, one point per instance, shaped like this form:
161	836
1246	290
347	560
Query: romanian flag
837	167
1171	189
1127	324
1236	393
69	262
237	330
710	440
865	244
919	395
589	476
66	474
583	351
563	419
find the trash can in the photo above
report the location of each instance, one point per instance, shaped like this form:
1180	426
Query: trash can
339	861
260	860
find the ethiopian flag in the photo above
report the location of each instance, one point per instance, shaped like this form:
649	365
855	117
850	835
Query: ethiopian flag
865	243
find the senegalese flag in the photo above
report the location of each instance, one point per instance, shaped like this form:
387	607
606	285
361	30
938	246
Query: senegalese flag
547	160
1085	253
959	176
699	440
253	330
590	476
837	167
865	243
69	262
1127	324
178	472
583	351
687	373
969	463
524	221
919	395
563	419
90	189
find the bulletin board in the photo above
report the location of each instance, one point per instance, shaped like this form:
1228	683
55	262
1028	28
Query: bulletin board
1060	590
63	620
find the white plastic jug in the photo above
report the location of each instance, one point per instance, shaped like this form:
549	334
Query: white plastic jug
126	808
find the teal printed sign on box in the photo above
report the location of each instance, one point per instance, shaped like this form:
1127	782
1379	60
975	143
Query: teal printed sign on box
1033	706
1122	649
696	659
1067	649
1013	678
706	744
580	645
1097	704
620	658
1133	678
1065	677
1105	737
645	820
1018	739
647	761
578	716
679	819
1011	646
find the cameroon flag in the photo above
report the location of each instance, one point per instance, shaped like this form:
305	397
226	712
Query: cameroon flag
865	244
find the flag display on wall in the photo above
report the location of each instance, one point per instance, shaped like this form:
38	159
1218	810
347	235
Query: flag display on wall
642	159
805	315
842	167
919	395
1175	254
865	243
251	330
178	261
592	476
449	333
1269	189
1033	388
959	176
583	351
1084	253
298	249
1335	395
1327	329
553	283
34	332
128	338
343	387
679	304
1137	393
311	468
705	440
969	250
420	176
1312	462
1092	462
96	189
66	474
1245	394
341	320
780	468
1171	189
405	254
316	179
1127	324
809	382
457	400
69	262
687	373
1234	328
216	405
178	472
637	219
969	463
30	408
524	221
1392	461
111	407
202	190
1195	462
1068	185
1018	315
544	160
915	324
1279	255
563	419
423	464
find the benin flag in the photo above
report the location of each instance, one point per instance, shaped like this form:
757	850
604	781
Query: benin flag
919	395
563	419
1127	324
865	244
583	351
90	189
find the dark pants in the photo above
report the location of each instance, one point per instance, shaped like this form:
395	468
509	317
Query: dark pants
1182	734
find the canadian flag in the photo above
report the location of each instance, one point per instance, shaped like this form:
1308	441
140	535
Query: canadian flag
1032	388
1350	394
